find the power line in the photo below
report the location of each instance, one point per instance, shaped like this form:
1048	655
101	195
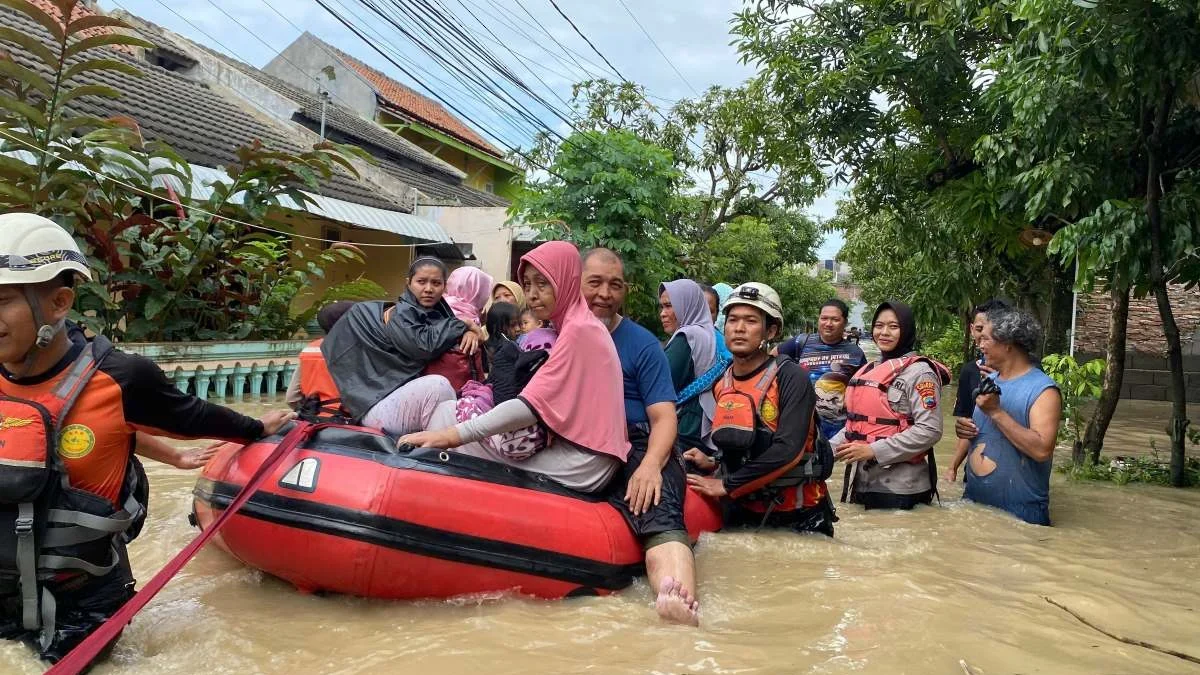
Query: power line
589	42
660	51
468	92
456	71
353	29
101	175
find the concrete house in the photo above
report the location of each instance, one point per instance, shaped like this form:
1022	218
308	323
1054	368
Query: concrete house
317	67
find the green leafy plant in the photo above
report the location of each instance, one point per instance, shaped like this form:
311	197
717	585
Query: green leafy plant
1079	384
164	267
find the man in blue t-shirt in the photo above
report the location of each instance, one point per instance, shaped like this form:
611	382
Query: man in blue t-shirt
654	477
831	360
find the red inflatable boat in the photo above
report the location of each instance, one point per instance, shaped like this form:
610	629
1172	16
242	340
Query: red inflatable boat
348	513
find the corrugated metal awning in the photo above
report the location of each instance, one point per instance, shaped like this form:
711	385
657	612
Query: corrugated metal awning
421	230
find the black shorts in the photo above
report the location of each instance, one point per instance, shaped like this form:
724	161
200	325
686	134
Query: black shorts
667	516
819	518
83	604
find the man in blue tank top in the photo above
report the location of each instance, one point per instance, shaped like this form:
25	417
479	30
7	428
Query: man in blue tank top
1013	433
831	359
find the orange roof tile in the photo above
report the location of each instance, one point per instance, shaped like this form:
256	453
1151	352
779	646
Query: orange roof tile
80	10
423	109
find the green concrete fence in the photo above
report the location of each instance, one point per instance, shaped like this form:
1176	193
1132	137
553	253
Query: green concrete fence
225	371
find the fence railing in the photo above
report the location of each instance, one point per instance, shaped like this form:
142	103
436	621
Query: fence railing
225	371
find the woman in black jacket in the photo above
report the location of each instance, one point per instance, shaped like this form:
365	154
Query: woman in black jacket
376	353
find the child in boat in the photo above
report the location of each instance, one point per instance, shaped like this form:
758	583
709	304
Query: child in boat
576	396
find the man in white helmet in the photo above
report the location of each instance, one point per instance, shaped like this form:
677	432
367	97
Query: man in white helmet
71	493
773	462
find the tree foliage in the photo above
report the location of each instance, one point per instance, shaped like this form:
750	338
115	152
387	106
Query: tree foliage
730	211
163	267
888	95
611	189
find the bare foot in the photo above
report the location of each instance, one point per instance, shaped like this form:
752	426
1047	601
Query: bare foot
675	604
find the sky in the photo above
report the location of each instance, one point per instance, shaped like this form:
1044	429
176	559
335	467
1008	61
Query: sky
693	36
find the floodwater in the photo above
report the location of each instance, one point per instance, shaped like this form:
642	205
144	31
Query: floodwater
956	589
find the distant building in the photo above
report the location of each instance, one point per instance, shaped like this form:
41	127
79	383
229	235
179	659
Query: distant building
849	292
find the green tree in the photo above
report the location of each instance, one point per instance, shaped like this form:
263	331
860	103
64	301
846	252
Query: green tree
611	189
888	95
1102	135
164	268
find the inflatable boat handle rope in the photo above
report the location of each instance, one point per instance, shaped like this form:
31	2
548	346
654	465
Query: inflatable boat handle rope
83	654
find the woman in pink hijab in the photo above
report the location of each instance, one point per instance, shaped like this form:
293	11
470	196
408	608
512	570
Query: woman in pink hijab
577	395
468	290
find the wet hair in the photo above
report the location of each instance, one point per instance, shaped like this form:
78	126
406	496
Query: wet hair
330	314
427	261
499	317
1014	327
989	305
841	307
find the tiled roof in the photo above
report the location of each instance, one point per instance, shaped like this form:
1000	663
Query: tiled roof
408	101
439	180
202	126
80	10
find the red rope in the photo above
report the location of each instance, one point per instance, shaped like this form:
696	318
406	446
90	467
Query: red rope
82	655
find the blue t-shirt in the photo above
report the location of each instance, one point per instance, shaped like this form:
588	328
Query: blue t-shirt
1018	484
644	368
829	368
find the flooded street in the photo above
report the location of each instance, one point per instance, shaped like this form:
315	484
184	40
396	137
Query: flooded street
894	593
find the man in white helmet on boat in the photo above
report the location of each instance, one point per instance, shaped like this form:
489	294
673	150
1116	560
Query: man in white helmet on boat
72	495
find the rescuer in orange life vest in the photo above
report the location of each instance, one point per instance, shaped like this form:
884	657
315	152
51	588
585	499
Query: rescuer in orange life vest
893	419
772	458
312	392
71	492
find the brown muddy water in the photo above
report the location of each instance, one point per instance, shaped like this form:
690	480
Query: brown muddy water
918	592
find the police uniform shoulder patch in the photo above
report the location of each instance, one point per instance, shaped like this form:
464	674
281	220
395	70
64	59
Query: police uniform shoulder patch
928	393
75	441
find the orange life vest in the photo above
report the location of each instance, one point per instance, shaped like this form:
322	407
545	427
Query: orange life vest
47	526
746	417
321	397
869	417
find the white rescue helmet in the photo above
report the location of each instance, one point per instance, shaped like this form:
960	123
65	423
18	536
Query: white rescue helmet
34	249
756	295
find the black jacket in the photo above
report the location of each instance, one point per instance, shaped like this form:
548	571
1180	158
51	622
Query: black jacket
510	369
369	359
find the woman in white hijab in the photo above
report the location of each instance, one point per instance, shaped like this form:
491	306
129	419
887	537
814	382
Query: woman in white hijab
691	352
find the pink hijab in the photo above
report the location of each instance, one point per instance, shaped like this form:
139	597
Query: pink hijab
578	393
468	290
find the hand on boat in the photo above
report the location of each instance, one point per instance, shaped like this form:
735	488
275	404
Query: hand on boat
645	489
196	458
443	438
965	428
854	452
709	487
275	420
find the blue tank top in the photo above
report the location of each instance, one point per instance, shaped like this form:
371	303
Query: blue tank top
1018	484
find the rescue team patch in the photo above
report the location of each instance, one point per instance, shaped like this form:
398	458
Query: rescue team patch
928	392
768	411
76	441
